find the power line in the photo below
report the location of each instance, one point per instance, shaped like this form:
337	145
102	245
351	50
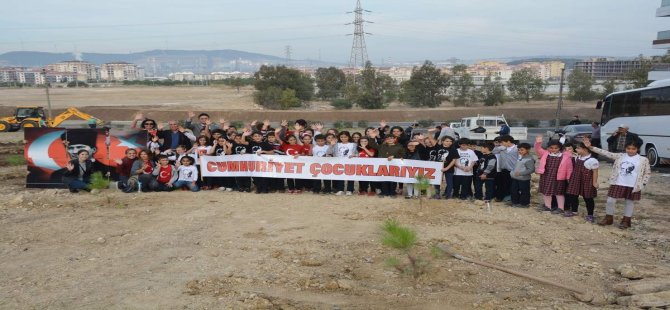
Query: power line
359	53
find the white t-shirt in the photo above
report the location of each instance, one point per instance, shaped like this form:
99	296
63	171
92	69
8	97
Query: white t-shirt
468	158
188	173
630	168
345	150
320	151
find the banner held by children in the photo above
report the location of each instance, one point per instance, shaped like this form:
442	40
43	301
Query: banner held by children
324	168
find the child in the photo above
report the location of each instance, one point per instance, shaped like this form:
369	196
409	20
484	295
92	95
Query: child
390	150
485	173
365	151
277	185
176	158
630	174
164	174
344	149
321	149
464	166
221	147
241	147
448	155
412	153
154	145
507	157
260	147
555	169
187	175
583	182
292	148
307	151
520	176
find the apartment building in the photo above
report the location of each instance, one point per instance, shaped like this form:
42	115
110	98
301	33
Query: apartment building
121	71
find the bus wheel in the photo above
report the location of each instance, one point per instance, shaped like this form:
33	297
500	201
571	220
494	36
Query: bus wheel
652	156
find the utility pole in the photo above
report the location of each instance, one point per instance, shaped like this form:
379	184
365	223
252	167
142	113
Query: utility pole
46	86
359	53
560	100
288	53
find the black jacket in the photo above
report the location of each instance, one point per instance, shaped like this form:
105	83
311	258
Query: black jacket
74	174
630	137
166	135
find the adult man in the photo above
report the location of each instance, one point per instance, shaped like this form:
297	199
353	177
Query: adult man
203	127
595	134
446	131
504	129
175	136
575	121
617	142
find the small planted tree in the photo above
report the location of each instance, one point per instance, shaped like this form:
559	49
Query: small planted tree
403	239
98	181
423	184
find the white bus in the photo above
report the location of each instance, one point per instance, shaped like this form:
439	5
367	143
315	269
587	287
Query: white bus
647	112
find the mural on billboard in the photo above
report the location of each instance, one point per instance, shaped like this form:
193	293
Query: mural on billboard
48	150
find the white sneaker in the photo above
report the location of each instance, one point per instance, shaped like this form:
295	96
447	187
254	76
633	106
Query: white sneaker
349	193
222	189
340	193
378	191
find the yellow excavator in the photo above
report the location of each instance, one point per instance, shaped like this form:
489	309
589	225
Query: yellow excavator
29	117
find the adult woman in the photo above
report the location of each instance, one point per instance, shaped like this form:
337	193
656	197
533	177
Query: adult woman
78	174
142	169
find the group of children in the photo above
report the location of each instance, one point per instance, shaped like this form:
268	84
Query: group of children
499	171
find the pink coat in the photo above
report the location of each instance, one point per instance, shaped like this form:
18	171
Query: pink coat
564	169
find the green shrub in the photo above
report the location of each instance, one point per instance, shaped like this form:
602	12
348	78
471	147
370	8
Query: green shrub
341	104
362	124
237	124
98	181
16	160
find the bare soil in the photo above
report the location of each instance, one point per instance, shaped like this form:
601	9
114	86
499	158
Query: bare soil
163	103
214	250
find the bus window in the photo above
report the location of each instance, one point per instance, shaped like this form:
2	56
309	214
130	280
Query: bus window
607	103
616	107
491	123
655	102
632	106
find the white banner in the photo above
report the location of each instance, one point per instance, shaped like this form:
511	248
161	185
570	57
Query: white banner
324	168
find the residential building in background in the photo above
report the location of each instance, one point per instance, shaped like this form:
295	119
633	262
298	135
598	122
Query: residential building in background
661	71
84	70
604	69
121	71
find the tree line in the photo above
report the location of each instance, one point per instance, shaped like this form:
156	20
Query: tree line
281	87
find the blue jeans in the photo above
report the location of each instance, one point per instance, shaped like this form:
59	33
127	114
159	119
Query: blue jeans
193	187
449	189
76	184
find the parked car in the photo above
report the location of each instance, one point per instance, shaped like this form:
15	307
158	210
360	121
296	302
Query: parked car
570	134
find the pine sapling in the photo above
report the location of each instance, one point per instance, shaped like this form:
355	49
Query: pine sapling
422	184
403	239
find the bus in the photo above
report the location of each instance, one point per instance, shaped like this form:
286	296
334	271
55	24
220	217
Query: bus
647	113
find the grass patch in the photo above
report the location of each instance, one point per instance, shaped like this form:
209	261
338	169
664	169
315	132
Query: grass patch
15	160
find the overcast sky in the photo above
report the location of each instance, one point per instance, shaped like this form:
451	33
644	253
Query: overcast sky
402	30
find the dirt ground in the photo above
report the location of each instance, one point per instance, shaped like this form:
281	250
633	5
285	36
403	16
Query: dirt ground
164	103
214	250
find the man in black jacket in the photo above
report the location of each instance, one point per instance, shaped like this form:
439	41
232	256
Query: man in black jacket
617	142
174	137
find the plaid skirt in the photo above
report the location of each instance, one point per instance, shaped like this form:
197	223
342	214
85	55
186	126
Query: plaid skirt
549	186
581	182
623	192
